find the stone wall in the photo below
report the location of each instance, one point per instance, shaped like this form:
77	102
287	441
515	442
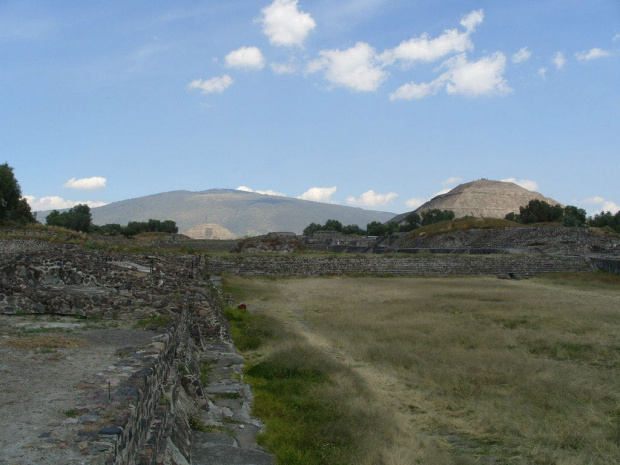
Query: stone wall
501	266
144	418
607	264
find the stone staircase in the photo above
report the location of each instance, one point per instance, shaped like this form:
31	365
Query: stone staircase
230	432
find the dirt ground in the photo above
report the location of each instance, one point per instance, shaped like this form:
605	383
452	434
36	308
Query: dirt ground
44	389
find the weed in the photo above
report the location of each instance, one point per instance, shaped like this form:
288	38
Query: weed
157	320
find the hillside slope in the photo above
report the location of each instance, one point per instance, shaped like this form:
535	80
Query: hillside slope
242	213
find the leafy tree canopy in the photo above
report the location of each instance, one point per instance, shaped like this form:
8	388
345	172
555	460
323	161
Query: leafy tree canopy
13	208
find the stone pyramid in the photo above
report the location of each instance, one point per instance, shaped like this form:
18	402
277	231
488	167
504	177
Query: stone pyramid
482	199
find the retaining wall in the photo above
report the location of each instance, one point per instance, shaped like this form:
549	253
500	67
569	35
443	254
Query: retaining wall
501	266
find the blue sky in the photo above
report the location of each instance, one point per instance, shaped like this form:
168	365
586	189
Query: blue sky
373	103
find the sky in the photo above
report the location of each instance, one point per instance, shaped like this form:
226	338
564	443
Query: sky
378	104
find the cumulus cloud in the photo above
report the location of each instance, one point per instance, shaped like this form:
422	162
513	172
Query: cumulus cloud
319	194
215	85
285	24
468	78
57	203
542	72
426	49
267	192
559	60
414	202
603	205
372	199
476	78
413	91
246	58
522	55
592	54
525	183
356	68
86	184
452	180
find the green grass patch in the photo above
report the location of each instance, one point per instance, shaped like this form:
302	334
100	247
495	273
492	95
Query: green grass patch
247	330
303	396
157	320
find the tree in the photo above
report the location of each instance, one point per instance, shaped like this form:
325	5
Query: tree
13	208
77	218
573	216
333	225
435	216
376	228
353	229
539	211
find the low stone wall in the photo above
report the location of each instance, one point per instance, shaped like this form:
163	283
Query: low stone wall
607	264
501	266
142	419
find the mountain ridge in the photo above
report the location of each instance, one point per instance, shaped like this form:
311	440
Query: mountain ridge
242	213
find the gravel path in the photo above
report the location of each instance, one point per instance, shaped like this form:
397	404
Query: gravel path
44	393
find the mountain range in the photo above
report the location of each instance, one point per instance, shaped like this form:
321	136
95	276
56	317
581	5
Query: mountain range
242	213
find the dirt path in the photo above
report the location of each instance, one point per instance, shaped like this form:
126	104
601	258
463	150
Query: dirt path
45	392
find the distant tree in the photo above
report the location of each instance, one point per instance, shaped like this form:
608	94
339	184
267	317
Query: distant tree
77	218
13	208
573	216
514	217
606	220
539	211
412	221
353	229
109	229
312	227
376	228
333	225
435	216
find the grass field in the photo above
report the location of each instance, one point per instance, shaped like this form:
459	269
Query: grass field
399	371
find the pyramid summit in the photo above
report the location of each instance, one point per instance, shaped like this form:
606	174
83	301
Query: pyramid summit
484	198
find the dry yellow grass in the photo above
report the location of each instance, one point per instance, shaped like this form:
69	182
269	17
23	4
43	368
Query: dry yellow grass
469	370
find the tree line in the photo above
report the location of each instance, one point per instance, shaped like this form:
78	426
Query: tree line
376	228
79	219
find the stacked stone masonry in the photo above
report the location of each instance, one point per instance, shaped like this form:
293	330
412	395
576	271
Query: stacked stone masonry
500	266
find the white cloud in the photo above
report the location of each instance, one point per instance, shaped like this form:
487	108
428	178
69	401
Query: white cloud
525	183
592	54
57	203
267	192
86	184
559	61
522	55
471	20
452	180
542	72
246	58
603	204
412	90
469	78
414	202
355	67
424	49
319	194
441	192
476	78
217	84
372	199
283	68
616	38
285	24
